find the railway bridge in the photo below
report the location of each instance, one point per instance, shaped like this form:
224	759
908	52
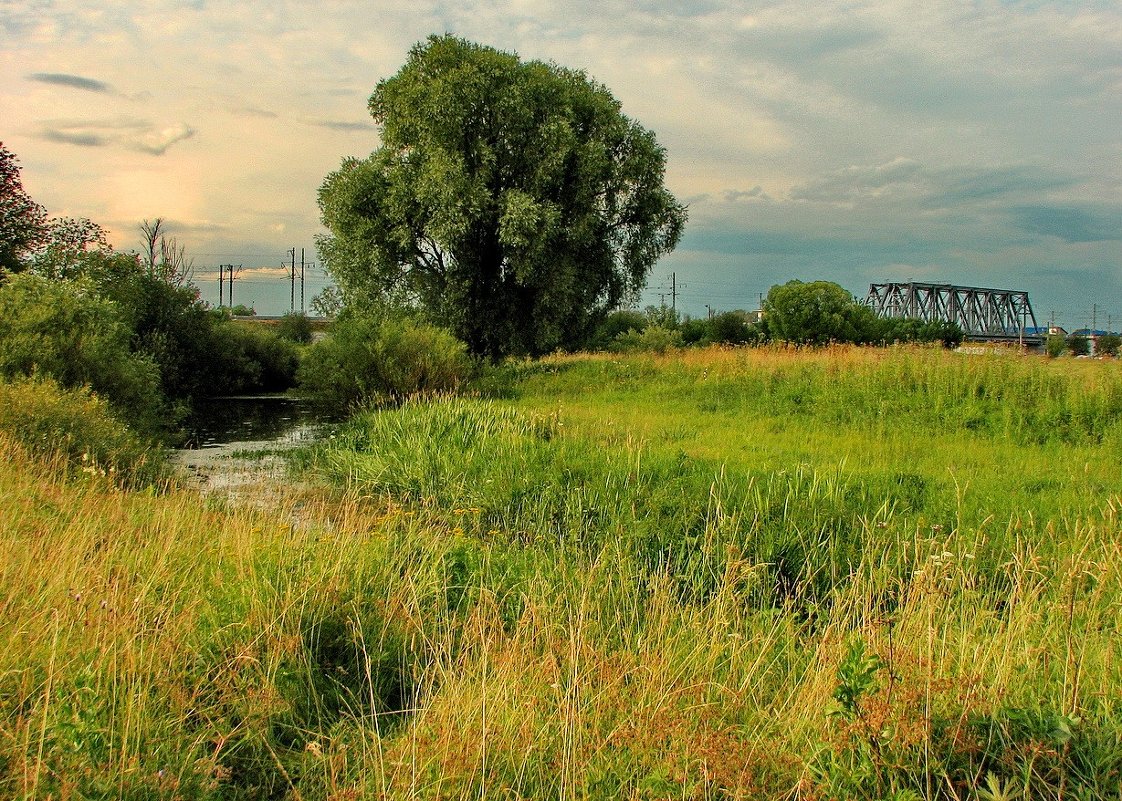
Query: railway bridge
984	315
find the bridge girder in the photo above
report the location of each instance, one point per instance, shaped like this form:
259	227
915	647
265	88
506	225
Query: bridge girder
980	313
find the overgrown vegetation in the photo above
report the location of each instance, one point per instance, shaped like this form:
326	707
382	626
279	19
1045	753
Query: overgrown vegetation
739	574
371	361
128	325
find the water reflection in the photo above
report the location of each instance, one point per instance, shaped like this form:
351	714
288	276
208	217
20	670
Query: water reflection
252	418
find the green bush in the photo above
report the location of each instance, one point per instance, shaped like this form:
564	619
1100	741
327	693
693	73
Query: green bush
733	328
654	339
365	361
1079	345
61	330
616	323
1055	345
1108	345
250	358
295	327
78	426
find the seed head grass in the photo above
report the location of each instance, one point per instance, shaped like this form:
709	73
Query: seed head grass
725	574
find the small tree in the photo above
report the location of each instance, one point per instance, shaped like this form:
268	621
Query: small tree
1109	345
163	257
1079	345
1055	345
61	330
23	222
816	314
295	327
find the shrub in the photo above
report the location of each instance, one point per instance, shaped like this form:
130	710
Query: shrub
654	339
60	330
732	328
616	323
78	426
1079	345
249	357
1055	345
366	361
1108	345
295	327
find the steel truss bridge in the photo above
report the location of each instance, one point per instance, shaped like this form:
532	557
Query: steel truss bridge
993	315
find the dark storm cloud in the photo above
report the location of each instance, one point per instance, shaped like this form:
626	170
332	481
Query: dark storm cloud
82	139
344	125
70	81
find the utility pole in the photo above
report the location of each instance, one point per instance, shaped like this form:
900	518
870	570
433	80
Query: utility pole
231	274
301	280
292	279
673	293
221	277
1094	317
709	311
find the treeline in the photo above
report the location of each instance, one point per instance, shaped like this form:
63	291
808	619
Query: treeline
127	325
816	313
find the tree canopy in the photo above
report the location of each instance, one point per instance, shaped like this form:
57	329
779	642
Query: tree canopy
23	222
815	313
512	201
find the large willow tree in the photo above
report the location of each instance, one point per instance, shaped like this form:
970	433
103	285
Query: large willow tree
511	201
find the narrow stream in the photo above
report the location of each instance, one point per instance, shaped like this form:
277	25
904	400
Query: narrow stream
236	446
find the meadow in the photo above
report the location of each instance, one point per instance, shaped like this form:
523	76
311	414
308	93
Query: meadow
720	574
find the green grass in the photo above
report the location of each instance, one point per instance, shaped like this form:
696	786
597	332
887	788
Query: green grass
725	574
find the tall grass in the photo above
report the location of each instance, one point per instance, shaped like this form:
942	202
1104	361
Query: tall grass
572	594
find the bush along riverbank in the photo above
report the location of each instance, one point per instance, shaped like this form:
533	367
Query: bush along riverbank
637	576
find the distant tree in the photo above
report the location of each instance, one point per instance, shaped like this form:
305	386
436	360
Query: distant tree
816	314
162	256
1109	344
329	302
1055	345
1079	345
23	222
695	331
890	330
511	201
616	323
295	327
72	248
663	316
731	328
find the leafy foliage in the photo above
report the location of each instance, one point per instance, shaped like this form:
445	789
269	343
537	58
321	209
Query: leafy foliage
1055	345
1109	344
365	361
23	222
76	425
822	312
511	201
62	330
295	327
815	314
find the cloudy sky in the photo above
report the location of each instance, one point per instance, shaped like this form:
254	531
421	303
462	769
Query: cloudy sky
976	143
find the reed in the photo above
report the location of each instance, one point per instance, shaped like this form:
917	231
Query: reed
717	575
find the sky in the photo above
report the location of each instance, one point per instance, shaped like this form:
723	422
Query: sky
945	141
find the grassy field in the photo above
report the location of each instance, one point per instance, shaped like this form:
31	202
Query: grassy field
850	573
